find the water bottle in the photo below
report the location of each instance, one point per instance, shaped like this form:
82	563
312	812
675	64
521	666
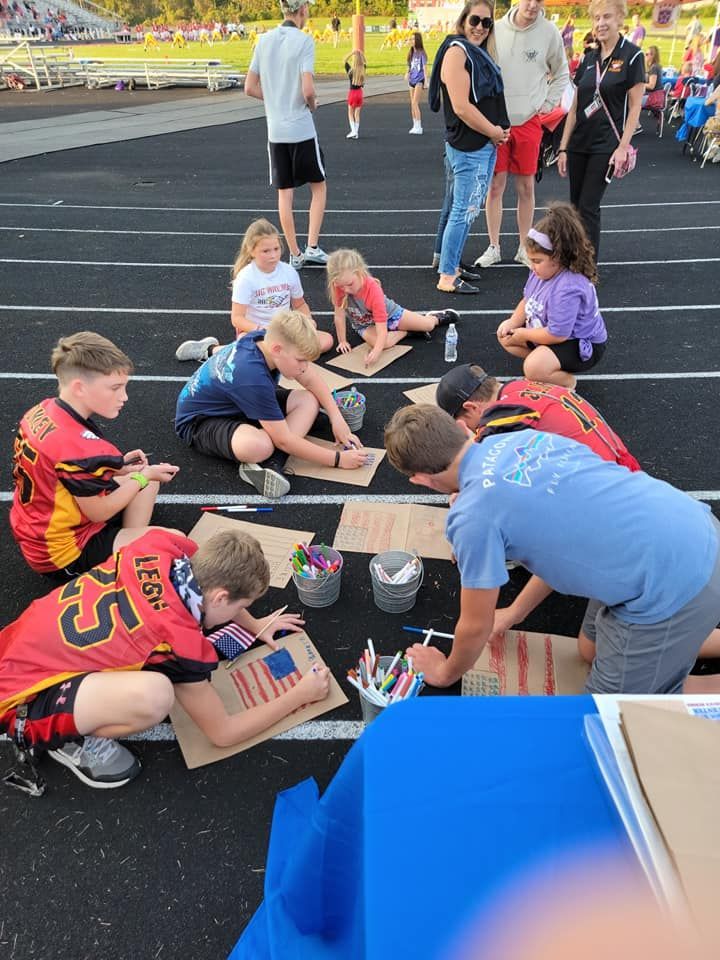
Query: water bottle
451	342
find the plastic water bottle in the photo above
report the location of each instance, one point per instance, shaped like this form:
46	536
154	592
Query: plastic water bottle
451	342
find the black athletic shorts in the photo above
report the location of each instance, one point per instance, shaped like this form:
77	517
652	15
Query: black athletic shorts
213	435
568	353
97	549
295	164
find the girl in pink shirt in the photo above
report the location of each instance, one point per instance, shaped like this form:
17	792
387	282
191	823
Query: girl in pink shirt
378	320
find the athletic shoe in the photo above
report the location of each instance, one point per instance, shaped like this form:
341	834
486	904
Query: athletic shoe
98	762
297	260
351	136
445	317
314	257
416	129
522	257
268	483
492	255
196	349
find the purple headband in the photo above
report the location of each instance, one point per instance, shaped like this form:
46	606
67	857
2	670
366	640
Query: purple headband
541	239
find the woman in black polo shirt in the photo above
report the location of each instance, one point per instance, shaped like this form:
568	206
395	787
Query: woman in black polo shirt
589	147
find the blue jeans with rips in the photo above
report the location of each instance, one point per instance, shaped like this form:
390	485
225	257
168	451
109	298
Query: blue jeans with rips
467	181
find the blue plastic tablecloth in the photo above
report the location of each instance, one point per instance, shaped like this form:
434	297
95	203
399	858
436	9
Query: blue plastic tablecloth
696	115
440	804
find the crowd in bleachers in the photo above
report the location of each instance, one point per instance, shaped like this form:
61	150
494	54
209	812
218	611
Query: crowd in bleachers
26	19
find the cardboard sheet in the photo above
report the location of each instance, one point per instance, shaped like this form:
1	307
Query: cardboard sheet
259	675
355	360
426	394
356	478
534	664
333	380
369	527
277	542
677	760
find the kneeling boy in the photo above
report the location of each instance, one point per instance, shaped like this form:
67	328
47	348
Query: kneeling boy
233	408
77	498
122	641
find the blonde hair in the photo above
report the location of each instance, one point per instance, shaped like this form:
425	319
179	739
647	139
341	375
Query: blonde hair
489	44
233	561
339	262
295	329
422	438
87	354
257	231
620	7
358	63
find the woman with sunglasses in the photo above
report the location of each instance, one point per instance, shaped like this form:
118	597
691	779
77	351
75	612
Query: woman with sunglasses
609	86
467	80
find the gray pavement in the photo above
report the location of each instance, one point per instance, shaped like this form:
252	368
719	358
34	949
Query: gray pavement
29	138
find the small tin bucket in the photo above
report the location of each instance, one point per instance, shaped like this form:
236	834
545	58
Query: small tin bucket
323	590
351	405
395	597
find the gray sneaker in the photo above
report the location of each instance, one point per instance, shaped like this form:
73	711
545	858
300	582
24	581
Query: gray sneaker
268	483
196	349
314	257
297	260
98	762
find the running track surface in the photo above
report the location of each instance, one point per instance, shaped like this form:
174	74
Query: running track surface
135	241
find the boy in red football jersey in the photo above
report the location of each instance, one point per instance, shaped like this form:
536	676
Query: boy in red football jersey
121	642
77	498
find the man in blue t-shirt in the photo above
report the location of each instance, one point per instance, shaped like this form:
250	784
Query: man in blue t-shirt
645	553
234	408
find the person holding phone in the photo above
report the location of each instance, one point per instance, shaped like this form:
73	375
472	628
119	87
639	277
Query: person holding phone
609	83
467	81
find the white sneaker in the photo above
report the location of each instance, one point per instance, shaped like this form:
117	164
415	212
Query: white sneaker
416	129
196	349
351	136
522	257
492	255
314	257
297	260
268	483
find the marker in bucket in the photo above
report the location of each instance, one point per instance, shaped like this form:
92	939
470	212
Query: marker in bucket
381	685
312	562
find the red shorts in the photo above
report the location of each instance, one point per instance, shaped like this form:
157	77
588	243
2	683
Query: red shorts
355	98
50	718
520	154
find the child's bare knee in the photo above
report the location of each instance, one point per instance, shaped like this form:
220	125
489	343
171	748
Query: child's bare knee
154	699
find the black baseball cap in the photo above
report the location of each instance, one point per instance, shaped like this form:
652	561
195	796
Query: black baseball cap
457	386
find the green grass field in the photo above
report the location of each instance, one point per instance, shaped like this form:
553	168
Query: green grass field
236	53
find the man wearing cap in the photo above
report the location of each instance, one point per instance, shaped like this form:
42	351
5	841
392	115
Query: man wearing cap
645	553
281	75
487	407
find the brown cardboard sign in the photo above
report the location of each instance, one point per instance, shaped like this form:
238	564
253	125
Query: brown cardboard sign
529	664
677	761
355	360
333	380
369	527
360	477
258	676
426	394
277	542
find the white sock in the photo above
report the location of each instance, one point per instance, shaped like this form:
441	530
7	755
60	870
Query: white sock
355	126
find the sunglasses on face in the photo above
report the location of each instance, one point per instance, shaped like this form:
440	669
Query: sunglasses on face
475	21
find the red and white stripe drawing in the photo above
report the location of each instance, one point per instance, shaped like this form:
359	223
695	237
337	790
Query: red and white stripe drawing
256	684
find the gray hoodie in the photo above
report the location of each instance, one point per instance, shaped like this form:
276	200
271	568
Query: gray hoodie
526	57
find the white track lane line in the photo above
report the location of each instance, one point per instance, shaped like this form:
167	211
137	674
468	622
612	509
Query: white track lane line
200	311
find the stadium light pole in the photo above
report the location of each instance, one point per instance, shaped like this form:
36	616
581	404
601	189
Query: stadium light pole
358	28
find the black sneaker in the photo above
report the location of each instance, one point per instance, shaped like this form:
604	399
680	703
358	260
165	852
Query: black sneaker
100	763
446	317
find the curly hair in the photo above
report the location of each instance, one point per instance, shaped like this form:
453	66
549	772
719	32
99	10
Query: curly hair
570	244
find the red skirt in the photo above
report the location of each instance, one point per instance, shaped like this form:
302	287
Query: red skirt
355	98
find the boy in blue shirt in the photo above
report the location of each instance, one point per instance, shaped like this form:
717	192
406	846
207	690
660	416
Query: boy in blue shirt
645	553
233	408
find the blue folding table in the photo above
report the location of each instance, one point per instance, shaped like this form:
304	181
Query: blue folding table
438	806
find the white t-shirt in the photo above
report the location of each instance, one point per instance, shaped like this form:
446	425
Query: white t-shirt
281	57
265	293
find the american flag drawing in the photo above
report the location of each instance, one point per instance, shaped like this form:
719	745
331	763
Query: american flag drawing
257	683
